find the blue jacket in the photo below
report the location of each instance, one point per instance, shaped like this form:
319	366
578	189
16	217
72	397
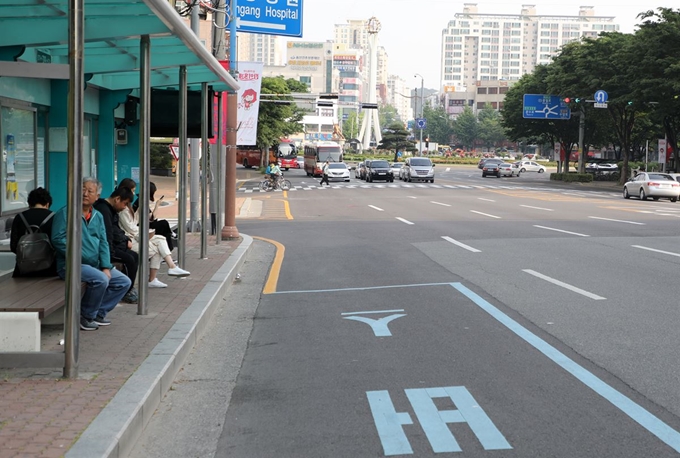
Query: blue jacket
95	247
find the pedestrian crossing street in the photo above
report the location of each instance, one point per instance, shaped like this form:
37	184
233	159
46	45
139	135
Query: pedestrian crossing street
315	187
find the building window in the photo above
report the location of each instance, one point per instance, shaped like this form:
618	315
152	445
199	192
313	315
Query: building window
493	90
18	144
307	80
481	90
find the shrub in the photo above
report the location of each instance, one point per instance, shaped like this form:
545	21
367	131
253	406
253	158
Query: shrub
160	156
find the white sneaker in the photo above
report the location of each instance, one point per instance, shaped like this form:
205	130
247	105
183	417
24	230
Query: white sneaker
177	272
156	283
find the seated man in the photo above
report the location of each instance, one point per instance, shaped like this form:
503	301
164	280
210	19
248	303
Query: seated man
106	286
120	245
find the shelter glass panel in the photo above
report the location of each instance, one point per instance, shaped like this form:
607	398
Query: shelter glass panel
18	142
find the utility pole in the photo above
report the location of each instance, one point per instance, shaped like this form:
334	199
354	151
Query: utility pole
581	136
422	84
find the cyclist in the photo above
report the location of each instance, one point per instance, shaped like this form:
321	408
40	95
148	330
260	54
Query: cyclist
274	173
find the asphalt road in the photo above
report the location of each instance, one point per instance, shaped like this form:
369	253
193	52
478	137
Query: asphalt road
478	317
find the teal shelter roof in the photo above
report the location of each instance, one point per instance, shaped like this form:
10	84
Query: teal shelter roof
34	43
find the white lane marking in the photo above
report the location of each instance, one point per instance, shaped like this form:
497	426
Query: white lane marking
538	208
670	253
404	220
448	169
371	312
439	203
485	214
412	197
617	220
560	230
462	245
376	208
583	292
486	200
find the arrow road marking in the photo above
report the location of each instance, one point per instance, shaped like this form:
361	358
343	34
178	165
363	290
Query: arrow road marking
379	326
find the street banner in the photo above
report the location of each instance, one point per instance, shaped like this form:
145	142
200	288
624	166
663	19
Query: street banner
662	151
250	82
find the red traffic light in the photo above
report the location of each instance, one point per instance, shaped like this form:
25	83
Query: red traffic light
567	100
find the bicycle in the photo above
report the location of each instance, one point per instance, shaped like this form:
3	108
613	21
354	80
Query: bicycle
280	184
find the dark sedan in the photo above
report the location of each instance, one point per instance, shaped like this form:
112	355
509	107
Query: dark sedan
379	170
491	168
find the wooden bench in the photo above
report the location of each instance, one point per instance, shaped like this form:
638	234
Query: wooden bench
42	295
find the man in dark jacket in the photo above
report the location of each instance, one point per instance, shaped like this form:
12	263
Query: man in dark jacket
119	244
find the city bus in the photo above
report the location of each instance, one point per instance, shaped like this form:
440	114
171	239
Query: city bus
316	153
287	155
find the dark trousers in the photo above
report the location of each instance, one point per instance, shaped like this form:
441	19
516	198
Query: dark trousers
162	227
130	260
325	180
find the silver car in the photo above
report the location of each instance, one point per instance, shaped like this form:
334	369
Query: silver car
654	185
418	169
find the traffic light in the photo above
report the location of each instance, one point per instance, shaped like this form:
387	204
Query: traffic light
630	102
427	142
571	100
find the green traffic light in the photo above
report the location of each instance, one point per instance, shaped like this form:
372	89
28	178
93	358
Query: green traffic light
630	102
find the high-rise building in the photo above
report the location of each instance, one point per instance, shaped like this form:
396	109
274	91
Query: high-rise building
397	96
489	47
255	47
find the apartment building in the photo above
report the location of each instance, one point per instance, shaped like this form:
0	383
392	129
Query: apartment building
398	97
491	47
255	47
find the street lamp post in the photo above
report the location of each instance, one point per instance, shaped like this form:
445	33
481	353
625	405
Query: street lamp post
422	83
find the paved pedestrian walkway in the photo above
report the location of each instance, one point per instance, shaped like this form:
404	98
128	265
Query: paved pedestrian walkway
123	368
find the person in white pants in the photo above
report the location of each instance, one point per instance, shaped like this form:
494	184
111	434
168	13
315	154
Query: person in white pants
158	245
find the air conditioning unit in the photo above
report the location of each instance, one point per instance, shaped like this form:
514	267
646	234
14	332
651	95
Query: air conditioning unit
121	137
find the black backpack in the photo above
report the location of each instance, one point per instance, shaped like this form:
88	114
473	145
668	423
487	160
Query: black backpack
34	250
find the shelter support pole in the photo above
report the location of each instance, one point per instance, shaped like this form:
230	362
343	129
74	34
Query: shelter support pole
219	176
182	169
74	207
144	164
204	169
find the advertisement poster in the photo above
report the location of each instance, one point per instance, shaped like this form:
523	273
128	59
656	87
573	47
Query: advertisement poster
250	82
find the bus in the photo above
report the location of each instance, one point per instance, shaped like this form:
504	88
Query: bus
317	153
286	154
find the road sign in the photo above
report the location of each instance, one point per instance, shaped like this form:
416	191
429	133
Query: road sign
270	17
601	97
600	105
538	106
421	123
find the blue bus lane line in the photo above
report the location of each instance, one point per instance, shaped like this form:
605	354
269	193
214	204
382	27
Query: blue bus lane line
640	415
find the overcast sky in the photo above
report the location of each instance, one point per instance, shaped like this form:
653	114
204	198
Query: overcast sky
411	29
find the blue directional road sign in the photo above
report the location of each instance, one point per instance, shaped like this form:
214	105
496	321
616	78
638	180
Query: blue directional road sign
601	97
538	106
270	17
421	123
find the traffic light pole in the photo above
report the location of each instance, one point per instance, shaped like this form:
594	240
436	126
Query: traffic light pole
581	136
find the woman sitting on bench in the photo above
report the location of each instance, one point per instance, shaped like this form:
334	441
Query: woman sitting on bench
158	246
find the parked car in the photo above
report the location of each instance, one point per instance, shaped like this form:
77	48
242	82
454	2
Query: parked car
396	168
338	171
360	170
491	168
531	166
418	169
654	185
379	170
300	162
507	170
601	167
485	160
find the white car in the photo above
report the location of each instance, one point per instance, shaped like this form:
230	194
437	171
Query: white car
531	166
654	185
338	171
396	168
507	170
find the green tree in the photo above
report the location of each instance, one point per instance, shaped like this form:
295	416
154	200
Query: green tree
465	128
351	126
278	120
491	131
439	126
388	115
394	138
160	156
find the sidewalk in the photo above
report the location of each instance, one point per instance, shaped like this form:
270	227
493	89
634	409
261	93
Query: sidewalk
124	369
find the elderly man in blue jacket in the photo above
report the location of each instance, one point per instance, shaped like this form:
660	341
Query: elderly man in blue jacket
106	286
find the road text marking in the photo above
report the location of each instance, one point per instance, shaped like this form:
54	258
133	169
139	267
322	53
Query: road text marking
404	220
376	208
564	285
639	414
462	245
434	422
560	230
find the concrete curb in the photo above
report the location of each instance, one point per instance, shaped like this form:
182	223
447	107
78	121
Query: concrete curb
116	429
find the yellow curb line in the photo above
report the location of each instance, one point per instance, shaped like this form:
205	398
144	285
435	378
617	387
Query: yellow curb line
273	277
